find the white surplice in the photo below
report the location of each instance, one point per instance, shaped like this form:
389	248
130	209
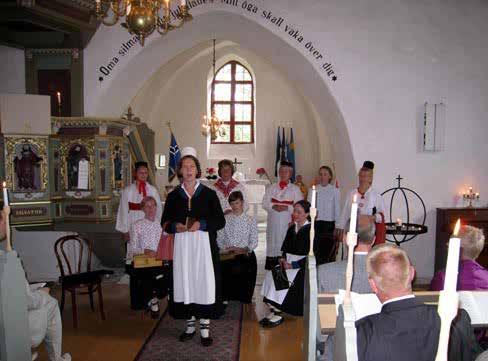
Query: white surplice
278	222
193	272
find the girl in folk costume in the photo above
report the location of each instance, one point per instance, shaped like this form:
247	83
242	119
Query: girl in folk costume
296	247
237	241
225	185
370	203
328	213
194	216
145	236
130	204
278	201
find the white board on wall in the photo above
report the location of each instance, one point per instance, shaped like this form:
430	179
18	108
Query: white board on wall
25	114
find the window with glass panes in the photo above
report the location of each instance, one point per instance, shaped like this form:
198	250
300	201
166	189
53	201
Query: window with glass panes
233	103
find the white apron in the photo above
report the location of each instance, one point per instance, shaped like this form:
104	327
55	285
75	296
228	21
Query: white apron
193	272
278	223
269	291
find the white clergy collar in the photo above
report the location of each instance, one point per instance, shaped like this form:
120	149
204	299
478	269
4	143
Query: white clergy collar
398	299
303	225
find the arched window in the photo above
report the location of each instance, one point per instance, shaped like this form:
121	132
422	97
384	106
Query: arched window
233	103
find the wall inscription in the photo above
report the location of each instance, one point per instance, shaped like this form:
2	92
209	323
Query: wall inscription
278	21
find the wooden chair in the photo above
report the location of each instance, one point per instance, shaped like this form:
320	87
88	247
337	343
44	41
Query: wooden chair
72	278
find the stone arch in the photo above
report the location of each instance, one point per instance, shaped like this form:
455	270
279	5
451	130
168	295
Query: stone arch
118	92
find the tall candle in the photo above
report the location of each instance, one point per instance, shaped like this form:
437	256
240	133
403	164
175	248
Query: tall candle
354	215
314	196
450	281
58	94
5	194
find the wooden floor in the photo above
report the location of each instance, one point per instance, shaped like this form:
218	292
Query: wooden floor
123	333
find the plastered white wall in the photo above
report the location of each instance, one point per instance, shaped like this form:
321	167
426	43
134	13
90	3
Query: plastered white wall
389	56
12	71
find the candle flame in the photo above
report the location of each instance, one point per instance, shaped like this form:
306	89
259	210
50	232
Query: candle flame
313	187
354	199
4	184
456	228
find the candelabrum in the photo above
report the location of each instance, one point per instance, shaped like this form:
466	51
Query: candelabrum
212	126
142	16
470	197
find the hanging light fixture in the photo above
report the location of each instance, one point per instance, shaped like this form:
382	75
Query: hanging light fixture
213	125
141	16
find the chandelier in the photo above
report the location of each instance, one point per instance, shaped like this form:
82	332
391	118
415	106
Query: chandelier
141	16
213	125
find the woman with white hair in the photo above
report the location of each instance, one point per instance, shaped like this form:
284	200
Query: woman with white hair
472	276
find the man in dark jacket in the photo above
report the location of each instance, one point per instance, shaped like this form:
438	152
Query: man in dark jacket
406	329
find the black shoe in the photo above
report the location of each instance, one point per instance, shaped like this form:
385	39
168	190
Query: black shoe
186	336
263	321
271	324
206	341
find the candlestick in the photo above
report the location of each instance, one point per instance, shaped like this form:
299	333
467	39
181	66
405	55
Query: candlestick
314	196
450	282
354	215
5	194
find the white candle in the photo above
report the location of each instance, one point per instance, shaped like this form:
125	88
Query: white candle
5	194
183	2
450	282
399	222
354	215
58	94
314	196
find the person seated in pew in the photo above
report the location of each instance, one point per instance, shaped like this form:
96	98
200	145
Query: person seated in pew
472	276
147	285
406	329
237	241
295	249
331	276
46	319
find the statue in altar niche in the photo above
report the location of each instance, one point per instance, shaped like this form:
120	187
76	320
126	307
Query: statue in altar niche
78	167
27	169
117	157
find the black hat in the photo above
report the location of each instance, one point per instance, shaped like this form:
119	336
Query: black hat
368	164
140	164
285	163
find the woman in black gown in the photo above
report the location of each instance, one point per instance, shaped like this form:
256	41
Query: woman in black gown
295	249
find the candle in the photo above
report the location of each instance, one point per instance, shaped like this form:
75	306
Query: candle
314	196
183	2
354	215
450	282
58	94
5	194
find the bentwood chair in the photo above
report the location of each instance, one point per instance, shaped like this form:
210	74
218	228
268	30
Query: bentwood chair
72	278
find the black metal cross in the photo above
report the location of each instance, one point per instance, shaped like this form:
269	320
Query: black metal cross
236	163
399	180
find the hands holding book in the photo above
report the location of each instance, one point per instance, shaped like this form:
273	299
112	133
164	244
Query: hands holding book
192	225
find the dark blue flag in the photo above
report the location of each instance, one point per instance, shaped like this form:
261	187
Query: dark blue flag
174	157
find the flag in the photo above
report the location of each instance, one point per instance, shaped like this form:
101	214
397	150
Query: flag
291	154
174	157
278	152
283	146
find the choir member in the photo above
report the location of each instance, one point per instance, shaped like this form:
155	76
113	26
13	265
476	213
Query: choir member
472	276
130	203
405	329
237	241
370	203
194	216
226	185
328	213
278	201
145	235
295	249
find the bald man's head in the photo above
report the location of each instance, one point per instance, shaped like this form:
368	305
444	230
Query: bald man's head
390	270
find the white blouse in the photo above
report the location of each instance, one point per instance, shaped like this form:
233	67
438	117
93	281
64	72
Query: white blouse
239	231
327	202
144	234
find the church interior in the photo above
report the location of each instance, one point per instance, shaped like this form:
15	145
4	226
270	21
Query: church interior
327	121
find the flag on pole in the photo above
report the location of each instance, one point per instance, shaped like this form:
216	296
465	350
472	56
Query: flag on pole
278	152
291	154
174	157
283	146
